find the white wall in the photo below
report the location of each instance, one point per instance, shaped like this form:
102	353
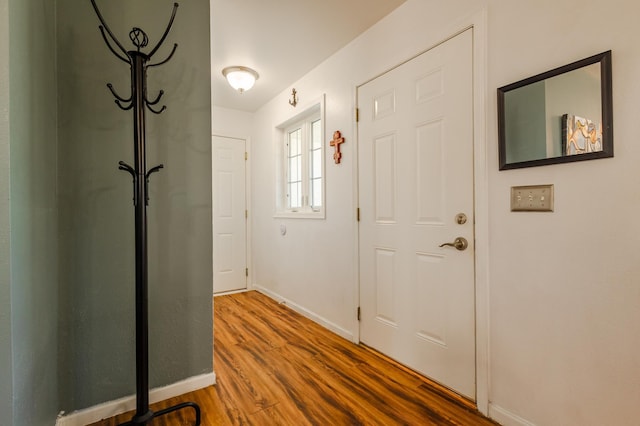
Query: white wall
565	286
231	122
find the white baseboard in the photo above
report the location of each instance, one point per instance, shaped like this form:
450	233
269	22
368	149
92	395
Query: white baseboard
224	293
307	313
505	417
128	403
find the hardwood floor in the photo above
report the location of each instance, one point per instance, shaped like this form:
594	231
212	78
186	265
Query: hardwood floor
276	367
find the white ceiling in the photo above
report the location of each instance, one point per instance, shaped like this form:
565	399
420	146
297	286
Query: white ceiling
282	40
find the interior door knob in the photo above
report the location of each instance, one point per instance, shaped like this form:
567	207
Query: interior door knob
459	243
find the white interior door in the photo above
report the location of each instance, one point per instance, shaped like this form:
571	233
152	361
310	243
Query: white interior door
415	158
229	215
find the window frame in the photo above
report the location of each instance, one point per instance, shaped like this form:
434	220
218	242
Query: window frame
303	121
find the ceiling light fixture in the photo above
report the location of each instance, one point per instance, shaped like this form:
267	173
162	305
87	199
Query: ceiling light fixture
240	78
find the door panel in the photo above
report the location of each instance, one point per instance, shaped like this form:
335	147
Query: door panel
229	219
415	157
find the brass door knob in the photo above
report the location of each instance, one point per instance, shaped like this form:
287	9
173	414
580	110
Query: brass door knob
459	243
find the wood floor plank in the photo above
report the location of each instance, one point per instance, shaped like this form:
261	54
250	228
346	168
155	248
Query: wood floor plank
275	367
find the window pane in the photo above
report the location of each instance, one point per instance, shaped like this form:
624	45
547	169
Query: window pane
295	165
316	135
295	139
316	193
316	164
294	184
295	196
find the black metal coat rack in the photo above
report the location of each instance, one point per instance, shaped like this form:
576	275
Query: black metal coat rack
137	102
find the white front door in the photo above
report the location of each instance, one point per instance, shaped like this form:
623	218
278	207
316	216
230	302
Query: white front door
415	157
229	215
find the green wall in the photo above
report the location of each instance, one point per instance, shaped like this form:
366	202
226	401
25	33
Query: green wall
66	217
96	268
525	130
6	369
34	260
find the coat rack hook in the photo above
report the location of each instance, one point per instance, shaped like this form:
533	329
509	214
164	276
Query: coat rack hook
157	112
120	98
154	170
149	104
175	46
106	41
124	108
104	27
127	168
157	99
166	32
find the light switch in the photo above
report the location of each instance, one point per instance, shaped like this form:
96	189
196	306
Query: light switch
533	198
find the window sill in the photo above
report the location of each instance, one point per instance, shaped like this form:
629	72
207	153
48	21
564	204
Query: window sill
299	215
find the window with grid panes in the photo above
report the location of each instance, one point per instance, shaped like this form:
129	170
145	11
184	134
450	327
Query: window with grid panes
304	164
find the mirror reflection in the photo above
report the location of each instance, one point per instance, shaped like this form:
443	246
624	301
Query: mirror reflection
559	116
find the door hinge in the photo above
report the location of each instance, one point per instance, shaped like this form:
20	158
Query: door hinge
358	313
246	156
246	214
358	214
357	115
246	272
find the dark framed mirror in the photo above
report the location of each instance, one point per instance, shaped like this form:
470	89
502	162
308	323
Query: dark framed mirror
559	116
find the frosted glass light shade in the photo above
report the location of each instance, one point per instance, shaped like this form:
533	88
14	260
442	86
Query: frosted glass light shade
240	78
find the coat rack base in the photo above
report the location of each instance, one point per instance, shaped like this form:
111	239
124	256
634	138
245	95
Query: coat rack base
150	415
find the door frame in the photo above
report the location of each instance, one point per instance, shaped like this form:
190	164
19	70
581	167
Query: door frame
247	203
478	22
